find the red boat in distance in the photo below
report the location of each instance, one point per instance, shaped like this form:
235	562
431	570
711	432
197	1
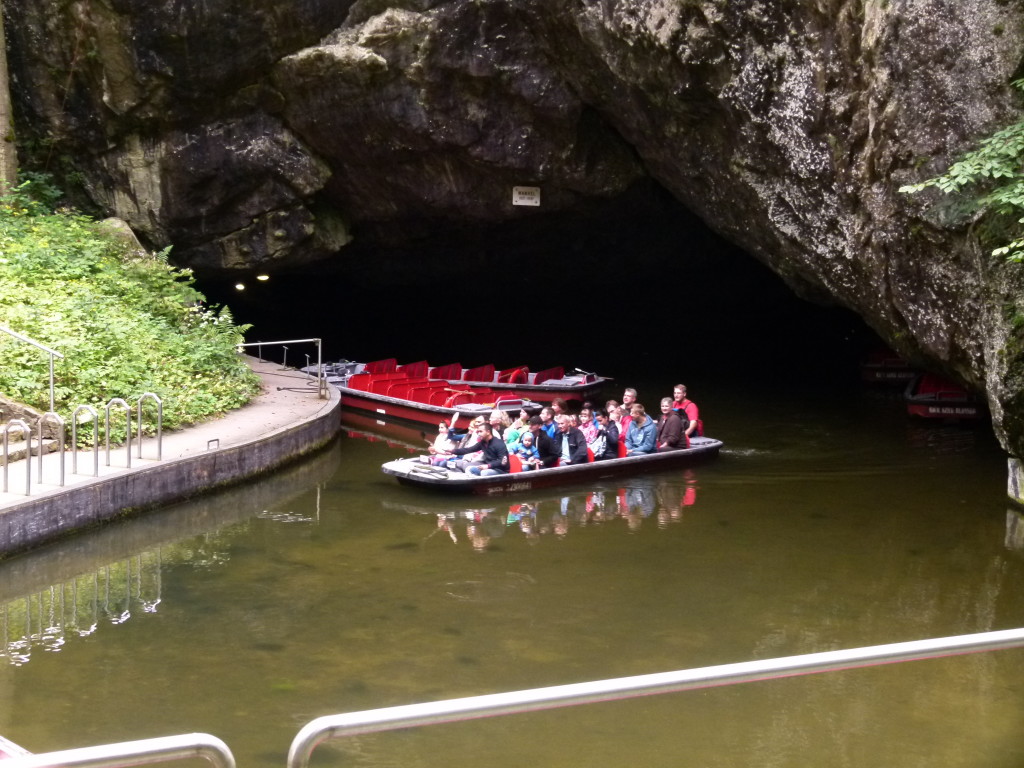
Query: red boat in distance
932	397
537	386
883	366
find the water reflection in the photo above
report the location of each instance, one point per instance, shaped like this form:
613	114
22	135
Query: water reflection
47	619
661	500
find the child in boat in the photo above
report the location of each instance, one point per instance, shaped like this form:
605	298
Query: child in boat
527	451
441	447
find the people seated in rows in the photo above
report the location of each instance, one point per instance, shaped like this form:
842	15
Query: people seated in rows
493	454
527	452
642	435
687	408
670	434
570	444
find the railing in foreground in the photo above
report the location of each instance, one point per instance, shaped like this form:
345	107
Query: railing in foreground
149	751
536	699
144	752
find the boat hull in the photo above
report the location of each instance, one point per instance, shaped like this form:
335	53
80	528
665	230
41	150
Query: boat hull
413	473
396	409
930	397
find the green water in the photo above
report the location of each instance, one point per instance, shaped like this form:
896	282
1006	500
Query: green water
827	523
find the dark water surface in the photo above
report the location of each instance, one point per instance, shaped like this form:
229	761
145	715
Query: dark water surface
830	521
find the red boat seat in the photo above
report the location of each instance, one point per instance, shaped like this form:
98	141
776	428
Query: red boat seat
622	449
418	369
450	371
590	454
401	389
939	388
517	375
421	393
515	464
480	373
549	373
439	396
381	381
360	381
381	366
458	398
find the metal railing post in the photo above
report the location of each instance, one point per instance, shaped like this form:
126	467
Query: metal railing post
159	423
95	439
321	378
28	452
51	352
537	699
128	418
143	752
51	416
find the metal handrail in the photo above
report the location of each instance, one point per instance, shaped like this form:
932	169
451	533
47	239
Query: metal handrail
321	379
128	417
52	353
159	423
95	439
143	752
536	699
27	432
54	417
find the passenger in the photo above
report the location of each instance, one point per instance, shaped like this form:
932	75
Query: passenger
499	422
609	431
559	406
441	448
494	454
587	425
688	407
545	445
547	417
628	399
670	428
570	444
527	452
517	427
642	436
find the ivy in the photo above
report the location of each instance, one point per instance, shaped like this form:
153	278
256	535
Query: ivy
126	321
990	181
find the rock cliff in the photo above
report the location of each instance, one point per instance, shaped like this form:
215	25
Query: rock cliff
274	131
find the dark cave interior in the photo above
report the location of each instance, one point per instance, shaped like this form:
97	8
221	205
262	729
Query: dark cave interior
628	285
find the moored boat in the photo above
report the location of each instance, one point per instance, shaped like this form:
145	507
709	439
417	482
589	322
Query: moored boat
883	366
412	471
399	396
540	386
932	397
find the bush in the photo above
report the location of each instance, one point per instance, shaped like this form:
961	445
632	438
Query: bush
126	321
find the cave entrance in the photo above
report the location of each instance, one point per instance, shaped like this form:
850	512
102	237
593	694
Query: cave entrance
631	283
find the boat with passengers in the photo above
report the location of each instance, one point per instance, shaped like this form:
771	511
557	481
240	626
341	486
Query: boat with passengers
413	472
540	386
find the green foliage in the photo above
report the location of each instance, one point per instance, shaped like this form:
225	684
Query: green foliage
125	320
990	180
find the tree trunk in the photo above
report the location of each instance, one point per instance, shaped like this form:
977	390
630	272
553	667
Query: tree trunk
8	152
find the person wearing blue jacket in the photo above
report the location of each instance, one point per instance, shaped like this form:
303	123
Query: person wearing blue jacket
642	435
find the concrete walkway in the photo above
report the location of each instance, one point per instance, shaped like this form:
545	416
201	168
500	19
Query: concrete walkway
286	421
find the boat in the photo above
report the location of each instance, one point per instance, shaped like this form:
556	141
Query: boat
413	472
540	386
932	397
883	366
399	396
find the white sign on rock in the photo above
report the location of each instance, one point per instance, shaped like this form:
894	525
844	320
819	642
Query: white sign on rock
526	196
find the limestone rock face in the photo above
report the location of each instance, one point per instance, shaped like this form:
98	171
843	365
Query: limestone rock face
274	131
